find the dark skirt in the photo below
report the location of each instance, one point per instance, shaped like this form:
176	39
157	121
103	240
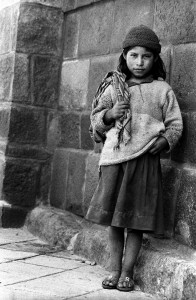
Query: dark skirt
129	195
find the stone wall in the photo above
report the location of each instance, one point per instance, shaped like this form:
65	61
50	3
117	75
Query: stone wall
30	57
93	36
53	55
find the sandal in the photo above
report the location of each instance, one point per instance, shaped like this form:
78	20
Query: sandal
126	284
110	282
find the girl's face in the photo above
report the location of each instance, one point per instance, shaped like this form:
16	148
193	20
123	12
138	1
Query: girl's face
139	62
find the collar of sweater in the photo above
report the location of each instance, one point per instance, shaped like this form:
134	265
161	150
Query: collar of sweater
149	79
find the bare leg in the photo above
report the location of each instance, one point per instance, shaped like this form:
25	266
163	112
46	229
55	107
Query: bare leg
132	248
116	242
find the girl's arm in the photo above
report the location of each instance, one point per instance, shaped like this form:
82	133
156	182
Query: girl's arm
97	115
172	120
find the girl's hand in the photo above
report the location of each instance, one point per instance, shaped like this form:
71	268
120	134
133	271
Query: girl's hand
160	144
119	110
116	112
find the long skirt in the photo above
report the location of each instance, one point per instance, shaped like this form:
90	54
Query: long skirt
129	195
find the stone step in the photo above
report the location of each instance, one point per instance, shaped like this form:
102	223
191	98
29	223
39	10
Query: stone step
164	268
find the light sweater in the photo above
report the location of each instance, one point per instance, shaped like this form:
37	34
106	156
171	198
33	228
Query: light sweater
155	112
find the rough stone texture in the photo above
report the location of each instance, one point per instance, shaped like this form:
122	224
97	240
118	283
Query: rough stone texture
71	4
39	29
68	5
54	226
53	131
185	150
27	151
86	141
186	208
164	267
95	29
93	243
19	186
75	182
98	147
74	83
21	82
44	179
2	170
6	76
129	14
59	178
83	2
71	35
13	217
27	125
45	81
70	130
183	75
175	21
167	276
74	179
91	179
99	67
4	120
8	28
5	29
52	3
171	182
166	57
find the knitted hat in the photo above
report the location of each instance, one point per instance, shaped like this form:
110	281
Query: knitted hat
142	36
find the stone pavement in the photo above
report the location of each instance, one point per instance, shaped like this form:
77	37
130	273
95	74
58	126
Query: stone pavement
31	269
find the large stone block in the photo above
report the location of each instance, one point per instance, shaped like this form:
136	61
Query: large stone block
27	125
128	14
21	82
59	178
39	29
185	149
86	141
175	20
186	208
45	81
71	35
70	131
183	75
75	182
171	182
20	182
95	29
74	84
91	179
6	76
99	67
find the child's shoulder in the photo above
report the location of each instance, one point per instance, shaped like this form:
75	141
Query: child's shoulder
161	84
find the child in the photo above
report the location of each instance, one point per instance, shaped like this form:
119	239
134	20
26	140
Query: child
136	114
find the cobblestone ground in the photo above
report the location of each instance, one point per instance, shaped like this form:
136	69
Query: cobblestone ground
31	269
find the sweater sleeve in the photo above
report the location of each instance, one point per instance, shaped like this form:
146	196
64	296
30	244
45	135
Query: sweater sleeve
97	114
172	120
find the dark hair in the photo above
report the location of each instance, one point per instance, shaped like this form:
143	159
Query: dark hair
158	69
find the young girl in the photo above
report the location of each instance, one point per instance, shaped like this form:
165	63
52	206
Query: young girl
136	114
